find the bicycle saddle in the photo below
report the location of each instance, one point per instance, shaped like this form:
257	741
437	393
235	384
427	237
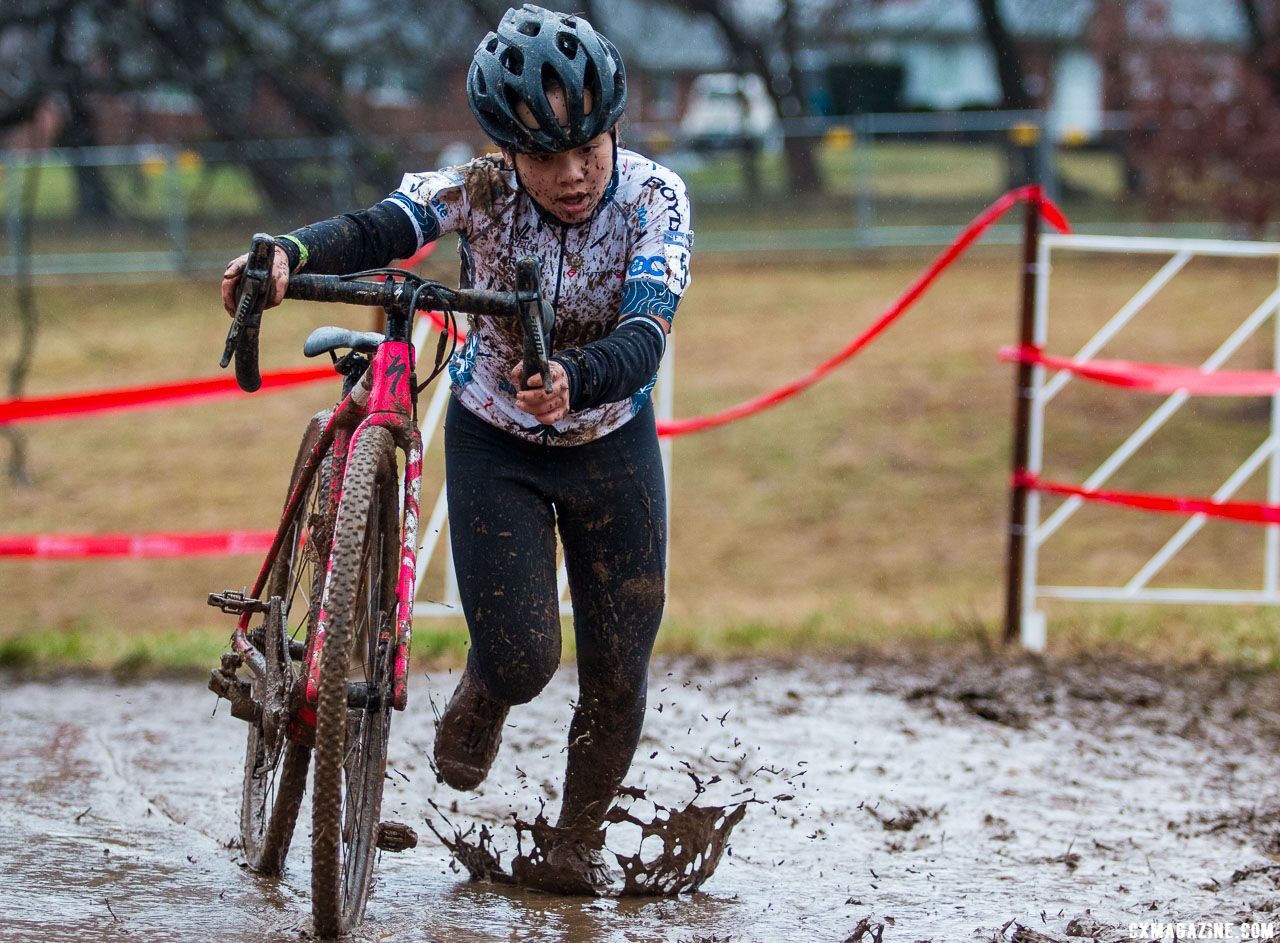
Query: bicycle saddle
325	339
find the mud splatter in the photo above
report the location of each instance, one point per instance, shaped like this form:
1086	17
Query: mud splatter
692	839
473	849
907	818
677	852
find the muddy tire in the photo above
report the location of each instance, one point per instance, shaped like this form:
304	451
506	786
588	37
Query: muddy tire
351	741
275	775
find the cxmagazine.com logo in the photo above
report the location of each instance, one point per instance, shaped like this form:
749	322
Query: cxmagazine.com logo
1203	930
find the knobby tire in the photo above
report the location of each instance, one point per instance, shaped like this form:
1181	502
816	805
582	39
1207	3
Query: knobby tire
275	780
351	743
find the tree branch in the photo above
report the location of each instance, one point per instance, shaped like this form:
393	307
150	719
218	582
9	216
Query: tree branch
1013	89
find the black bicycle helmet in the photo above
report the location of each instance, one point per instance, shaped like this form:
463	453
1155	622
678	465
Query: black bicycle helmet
535	49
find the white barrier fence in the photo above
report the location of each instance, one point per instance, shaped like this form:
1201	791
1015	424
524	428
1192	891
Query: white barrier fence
1138	588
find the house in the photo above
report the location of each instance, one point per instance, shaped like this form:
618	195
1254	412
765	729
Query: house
947	64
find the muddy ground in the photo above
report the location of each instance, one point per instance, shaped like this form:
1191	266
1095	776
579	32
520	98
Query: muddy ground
931	800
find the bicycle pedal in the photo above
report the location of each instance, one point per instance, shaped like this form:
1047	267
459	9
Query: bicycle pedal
396	836
234	602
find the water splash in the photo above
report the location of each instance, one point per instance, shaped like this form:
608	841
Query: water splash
690	843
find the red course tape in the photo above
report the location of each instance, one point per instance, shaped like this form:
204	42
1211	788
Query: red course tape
133	546
1154	377
984	221
1164	504
40	408
162	545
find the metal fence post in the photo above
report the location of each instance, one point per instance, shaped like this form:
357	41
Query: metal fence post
1046	165
1023	392
176	203
14	171
864	179
1271	548
342	157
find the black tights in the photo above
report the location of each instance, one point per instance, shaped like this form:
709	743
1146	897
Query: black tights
507	498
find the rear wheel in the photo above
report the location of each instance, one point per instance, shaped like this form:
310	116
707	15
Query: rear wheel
275	769
353	716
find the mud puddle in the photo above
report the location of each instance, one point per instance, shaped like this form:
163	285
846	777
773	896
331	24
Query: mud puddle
964	799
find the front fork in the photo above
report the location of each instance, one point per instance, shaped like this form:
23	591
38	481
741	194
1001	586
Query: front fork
405	580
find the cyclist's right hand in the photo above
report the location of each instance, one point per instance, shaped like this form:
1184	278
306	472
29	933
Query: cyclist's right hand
279	280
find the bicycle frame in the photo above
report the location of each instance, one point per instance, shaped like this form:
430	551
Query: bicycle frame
385	396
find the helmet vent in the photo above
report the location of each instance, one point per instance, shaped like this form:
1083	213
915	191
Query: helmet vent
530	27
513	60
492	45
567	44
591	82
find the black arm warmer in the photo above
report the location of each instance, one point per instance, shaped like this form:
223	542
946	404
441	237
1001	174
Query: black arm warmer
615	366
353	242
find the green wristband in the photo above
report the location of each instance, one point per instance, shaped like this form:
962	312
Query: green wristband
303	254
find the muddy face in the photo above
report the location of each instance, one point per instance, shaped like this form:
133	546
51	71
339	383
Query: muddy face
568	185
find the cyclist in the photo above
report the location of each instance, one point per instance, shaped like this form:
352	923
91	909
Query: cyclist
613	231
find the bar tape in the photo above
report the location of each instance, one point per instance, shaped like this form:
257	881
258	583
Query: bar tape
1033	194
134	546
1153	377
1164	504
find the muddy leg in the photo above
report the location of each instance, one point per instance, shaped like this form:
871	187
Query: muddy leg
502	530
615	550
602	741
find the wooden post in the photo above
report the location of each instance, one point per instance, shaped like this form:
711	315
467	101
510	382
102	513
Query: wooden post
1023	394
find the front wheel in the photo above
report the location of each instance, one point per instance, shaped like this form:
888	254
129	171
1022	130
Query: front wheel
353	715
275	768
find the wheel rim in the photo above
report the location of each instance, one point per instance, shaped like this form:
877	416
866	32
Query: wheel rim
296	578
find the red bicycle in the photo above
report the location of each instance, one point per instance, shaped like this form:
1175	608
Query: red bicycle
328	661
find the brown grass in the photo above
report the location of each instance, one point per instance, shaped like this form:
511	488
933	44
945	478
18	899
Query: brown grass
872	509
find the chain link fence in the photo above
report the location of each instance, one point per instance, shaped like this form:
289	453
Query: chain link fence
873	180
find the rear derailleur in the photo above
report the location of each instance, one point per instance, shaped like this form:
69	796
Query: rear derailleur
274	689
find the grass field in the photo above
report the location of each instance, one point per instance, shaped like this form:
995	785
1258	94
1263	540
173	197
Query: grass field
869	511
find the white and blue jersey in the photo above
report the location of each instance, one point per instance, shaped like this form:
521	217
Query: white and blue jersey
631	257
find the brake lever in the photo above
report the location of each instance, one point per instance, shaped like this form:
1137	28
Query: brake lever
242	336
537	318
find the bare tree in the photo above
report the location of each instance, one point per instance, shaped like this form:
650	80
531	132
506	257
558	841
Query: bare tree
1205	121
230	57
769	47
1012	76
1008	59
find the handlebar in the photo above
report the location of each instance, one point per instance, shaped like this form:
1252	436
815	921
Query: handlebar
348	289
242	336
399	291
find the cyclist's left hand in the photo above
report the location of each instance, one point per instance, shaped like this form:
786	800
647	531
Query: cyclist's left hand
545	407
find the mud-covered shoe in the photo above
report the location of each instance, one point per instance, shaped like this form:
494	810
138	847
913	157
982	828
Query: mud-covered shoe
574	868
468	735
